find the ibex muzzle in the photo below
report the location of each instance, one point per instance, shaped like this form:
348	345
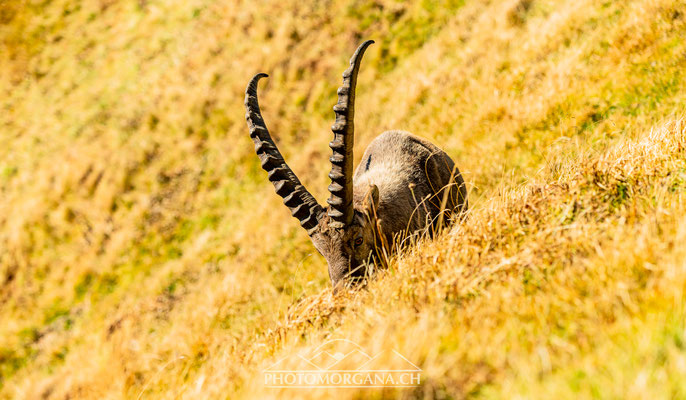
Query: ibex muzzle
403	185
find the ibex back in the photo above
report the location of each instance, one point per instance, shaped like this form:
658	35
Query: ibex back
403	185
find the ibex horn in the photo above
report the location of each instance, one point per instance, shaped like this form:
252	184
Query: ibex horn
302	204
341	188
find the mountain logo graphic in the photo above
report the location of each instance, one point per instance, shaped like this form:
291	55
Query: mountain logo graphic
342	363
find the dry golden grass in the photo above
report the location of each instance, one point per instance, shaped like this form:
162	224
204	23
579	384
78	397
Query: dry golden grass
144	255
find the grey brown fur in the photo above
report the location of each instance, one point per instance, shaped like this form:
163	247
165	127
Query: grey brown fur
403	185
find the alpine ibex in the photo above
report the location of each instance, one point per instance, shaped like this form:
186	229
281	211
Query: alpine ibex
403	185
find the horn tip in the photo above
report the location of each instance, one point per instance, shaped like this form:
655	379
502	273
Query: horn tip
257	77
251	89
364	46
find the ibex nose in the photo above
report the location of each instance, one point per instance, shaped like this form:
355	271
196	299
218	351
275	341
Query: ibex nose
336	278
349	273
338	286
338	273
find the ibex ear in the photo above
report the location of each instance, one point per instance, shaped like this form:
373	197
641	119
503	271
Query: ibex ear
371	201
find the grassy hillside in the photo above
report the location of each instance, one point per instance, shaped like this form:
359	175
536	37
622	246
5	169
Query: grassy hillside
143	253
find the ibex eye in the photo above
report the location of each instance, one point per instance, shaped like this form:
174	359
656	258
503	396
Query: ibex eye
358	241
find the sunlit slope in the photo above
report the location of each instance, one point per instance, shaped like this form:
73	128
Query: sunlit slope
143	252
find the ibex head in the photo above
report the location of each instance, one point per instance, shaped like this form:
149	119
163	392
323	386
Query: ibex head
344	232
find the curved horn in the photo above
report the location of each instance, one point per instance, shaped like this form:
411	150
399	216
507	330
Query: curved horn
302	204
341	188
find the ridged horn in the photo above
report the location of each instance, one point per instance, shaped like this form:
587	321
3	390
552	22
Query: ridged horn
302	204
341	188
